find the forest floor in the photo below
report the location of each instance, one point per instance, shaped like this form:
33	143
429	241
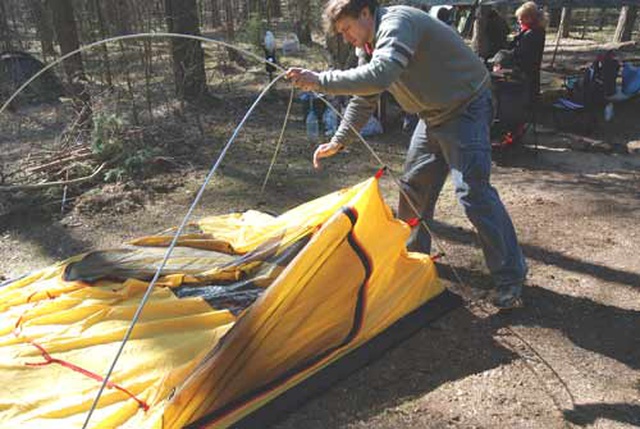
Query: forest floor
576	209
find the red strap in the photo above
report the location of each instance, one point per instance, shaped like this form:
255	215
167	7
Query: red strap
380	172
49	360
436	256
413	222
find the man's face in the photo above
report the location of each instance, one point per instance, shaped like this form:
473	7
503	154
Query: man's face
356	31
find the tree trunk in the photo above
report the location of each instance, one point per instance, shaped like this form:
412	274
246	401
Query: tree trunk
14	25
228	20
342	54
626	21
215	14
560	33
67	34
479	42
43	27
554	17
585	23
276	9
188	56
602	19
105	50
565	21
5	32
302	25
123	15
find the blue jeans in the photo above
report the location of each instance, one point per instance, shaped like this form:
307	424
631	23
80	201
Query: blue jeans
461	146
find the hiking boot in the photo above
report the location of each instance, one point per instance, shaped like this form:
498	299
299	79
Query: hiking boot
507	301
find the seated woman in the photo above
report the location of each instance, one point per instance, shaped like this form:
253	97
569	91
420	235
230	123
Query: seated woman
528	44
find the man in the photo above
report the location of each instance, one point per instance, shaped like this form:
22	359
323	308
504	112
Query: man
430	71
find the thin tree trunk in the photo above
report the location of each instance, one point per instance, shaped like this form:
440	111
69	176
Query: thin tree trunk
602	19
134	107
105	50
5	31
554	17
565	21
67	34
188	56
302	25
558	38
123	15
215	14
585	24
42	19
228	19
15	23
276	9
342	54
626	21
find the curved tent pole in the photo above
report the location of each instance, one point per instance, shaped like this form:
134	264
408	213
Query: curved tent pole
127	37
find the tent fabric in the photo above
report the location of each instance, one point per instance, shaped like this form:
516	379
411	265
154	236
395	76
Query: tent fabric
248	306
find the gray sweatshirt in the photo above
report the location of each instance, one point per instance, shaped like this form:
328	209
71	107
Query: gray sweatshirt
422	62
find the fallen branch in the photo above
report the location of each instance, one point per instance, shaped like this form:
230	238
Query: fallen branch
51	184
75	157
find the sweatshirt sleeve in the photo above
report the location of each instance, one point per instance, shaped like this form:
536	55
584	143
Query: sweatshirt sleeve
357	114
395	46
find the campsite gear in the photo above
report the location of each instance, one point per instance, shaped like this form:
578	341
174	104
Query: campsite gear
330	122
250	307
608	112
115	418
269	42
461	146
630	80
16	68
279	142
311	123
290	44
630	86
587	95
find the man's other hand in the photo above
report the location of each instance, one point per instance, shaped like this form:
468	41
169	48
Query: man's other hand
325	151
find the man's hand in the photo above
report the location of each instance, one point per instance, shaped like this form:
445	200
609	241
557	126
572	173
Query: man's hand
304	79
324	151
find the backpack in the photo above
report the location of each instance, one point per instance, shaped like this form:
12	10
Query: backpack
597	82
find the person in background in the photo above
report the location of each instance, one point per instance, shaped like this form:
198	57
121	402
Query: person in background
445	14
270	53
430	71
497	32
528	44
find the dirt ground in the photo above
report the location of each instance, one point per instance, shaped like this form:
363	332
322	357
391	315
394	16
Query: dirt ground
577	214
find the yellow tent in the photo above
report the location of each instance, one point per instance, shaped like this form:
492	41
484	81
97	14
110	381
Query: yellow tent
248	307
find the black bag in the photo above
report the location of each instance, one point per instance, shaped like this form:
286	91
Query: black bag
597	82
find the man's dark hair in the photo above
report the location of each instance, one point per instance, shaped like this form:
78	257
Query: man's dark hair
338	9
444	15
